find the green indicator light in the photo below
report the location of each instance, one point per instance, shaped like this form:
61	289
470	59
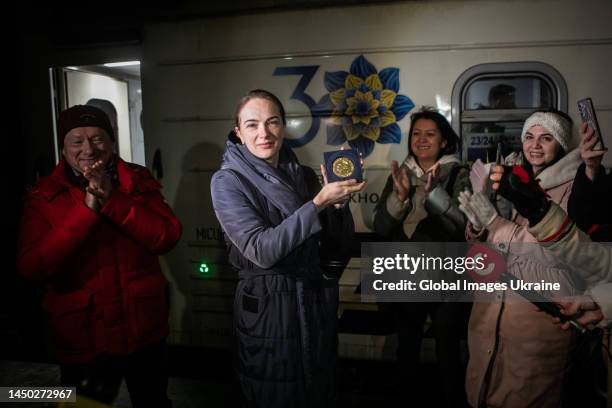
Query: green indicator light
204	268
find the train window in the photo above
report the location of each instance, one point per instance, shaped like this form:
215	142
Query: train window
491	101
508	92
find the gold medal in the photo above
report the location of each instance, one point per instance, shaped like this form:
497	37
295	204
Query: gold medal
343	167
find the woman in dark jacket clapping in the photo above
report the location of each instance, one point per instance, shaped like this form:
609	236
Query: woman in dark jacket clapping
419	203
279	224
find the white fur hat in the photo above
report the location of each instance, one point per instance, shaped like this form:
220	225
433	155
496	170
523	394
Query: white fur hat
558	126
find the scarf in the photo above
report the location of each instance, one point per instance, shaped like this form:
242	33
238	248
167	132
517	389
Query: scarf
284	186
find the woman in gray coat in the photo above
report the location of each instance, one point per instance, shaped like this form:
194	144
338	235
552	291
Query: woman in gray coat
281	227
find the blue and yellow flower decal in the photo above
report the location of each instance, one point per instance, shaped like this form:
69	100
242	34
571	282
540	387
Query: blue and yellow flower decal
363	106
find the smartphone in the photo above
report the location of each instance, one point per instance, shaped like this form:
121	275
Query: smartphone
587	114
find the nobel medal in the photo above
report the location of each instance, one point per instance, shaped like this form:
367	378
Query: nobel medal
343	167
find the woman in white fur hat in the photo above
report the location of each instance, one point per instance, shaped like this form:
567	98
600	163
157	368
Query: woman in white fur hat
517	358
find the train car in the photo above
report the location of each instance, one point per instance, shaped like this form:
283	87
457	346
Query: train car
174	73
484	64
453	56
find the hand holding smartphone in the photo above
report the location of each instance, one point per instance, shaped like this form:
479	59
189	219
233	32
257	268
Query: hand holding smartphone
587	114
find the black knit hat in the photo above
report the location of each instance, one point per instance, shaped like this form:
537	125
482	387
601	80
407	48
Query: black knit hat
83	116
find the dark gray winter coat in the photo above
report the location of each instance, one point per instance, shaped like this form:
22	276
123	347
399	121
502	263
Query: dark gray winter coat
285	309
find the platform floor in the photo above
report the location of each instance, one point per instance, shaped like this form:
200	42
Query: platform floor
360	384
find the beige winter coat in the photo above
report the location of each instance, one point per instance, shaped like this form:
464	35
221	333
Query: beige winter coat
518	358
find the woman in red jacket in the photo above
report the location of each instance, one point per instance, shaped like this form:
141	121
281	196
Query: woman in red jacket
91	231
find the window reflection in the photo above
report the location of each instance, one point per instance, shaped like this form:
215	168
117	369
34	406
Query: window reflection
525	92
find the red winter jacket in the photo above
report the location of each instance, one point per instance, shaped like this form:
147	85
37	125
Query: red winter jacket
105	290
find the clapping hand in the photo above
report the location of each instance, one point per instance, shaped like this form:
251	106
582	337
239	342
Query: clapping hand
432	177
100	185
401	181
477	208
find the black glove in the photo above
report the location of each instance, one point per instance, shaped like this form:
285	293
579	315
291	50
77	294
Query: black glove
520	187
